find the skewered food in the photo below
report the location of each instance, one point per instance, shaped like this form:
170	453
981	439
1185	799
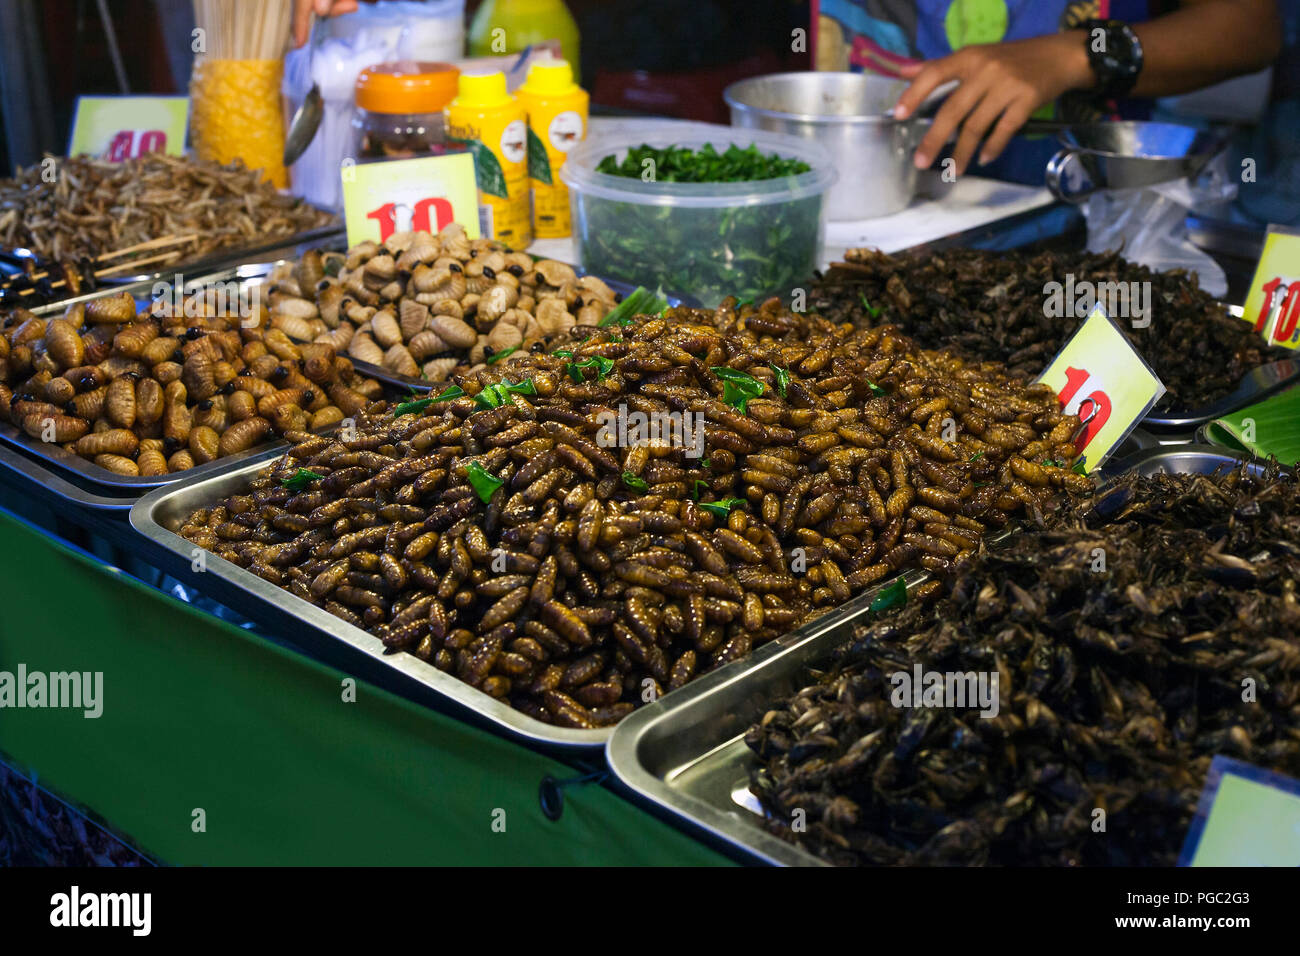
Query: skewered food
995	307
1134	637
422	304
93	207
510	531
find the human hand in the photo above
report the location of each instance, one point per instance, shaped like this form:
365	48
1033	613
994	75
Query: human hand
303	9
1001	85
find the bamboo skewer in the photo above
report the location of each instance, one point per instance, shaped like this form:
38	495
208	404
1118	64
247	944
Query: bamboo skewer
158	243
163	257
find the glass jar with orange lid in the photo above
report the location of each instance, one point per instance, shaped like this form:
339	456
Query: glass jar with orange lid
400	111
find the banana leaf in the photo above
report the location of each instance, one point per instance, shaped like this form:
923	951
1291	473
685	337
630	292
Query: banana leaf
1270	427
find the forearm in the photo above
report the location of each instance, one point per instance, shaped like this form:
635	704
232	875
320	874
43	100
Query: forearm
1205	42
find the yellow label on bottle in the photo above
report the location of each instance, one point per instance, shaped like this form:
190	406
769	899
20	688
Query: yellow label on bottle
556	124
499	141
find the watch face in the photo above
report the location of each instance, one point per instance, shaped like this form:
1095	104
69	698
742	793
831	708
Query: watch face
1115	54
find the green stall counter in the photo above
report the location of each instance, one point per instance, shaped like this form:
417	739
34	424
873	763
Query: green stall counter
217	747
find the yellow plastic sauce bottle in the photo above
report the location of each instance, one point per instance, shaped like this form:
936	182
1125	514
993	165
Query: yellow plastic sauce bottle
494	126
557	122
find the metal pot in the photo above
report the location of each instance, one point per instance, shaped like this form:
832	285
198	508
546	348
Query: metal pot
1126	155
846	114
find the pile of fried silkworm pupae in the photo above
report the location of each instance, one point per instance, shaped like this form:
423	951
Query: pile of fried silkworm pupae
502	537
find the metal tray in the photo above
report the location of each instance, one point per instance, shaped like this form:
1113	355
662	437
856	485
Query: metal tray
102	479
86	470
220	259
31	471
1255	385
157	514
685	753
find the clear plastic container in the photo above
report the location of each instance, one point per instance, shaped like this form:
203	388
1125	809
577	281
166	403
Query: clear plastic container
702	240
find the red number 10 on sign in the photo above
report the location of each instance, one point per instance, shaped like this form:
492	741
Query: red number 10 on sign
1287	298
437	210
129	144
1080	382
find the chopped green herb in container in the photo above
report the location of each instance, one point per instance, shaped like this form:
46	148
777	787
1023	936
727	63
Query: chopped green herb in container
700	211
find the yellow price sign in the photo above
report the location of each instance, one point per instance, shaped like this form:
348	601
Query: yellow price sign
1247	816
123	127
425	193
1273	303
1099	376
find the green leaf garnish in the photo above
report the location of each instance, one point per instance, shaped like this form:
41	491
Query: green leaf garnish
872	311
895	595
782	378
635	482
738	387
602	365
721	508
640	301
484	484
447	394
494	396
498	356
680	164
976	457
300	479
410	408
875	389
1079	468
1053	463
563	353
695	488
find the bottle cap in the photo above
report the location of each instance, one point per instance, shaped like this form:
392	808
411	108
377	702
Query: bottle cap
483	91
406	87
549	77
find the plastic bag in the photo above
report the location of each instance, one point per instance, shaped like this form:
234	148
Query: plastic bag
1149	224
343	47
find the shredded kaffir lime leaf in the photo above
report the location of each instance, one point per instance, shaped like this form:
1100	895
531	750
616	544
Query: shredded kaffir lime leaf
721	509
483	483
300	479
894	595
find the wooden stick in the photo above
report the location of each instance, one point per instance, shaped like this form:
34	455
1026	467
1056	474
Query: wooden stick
145	246
138	262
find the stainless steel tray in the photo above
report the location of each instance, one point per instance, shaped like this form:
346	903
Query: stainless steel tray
86	470
104	480
685	753
34	472
157	514
1255	386
329	235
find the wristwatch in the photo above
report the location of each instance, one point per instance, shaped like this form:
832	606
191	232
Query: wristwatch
1115	55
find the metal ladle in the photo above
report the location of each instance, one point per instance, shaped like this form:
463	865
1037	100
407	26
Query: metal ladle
307	118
